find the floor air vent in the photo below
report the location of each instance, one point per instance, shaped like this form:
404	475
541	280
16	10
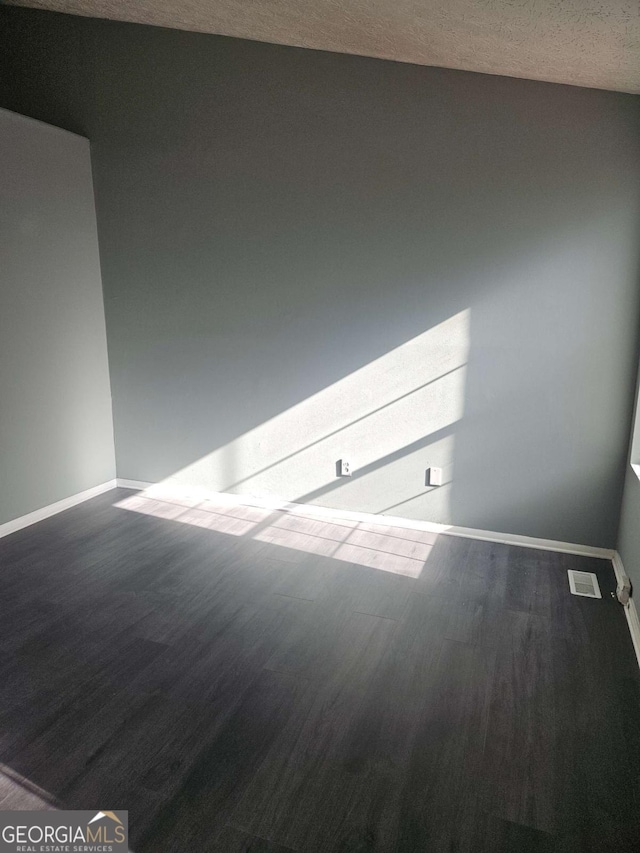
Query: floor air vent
584	583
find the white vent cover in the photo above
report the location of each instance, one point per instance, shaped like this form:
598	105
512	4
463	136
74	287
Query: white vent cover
584	583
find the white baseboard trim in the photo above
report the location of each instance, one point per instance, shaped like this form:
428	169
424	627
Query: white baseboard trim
53	509
630	610
532	542
139	485
174	490
618	568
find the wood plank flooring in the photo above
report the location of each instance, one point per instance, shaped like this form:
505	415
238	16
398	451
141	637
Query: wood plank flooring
244	680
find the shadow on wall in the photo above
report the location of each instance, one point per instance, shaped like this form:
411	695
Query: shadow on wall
390	412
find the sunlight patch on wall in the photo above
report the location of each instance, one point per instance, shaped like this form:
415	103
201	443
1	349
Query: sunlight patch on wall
391	418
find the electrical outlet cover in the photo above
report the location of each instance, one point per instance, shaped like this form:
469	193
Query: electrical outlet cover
435	476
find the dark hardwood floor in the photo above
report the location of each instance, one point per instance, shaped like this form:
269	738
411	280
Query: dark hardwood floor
244	680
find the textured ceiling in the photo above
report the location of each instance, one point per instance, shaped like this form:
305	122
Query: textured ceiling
583	42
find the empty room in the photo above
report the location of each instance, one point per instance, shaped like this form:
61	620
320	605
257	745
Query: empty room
319	457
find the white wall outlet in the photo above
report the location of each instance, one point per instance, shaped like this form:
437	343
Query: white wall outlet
434	476
344	467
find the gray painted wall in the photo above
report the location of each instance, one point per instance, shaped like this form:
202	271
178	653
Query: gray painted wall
274	220
629	536
56	431
628	545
